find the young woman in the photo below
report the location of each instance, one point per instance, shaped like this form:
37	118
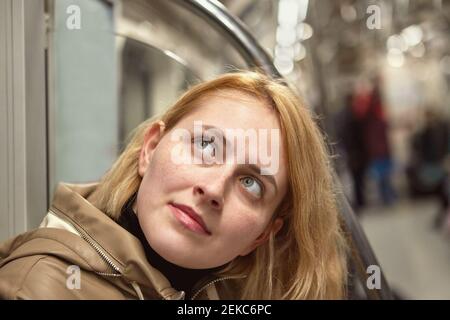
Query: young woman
180	216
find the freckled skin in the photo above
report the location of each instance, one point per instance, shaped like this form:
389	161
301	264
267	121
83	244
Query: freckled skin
238	221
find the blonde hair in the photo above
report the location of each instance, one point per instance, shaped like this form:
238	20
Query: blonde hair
307	257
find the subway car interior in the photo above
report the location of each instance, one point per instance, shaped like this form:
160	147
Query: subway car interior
77	76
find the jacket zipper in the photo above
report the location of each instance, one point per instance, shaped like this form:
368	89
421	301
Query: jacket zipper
213	282
117	271
103	255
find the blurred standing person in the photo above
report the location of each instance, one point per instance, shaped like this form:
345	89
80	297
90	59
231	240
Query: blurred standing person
431	154
352	137
378	148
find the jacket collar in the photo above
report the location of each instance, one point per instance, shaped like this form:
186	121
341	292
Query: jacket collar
125	250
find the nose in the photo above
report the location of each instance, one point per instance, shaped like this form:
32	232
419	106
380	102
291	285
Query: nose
214	200
211	191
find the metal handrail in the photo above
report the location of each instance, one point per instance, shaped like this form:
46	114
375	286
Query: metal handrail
238	34
235	31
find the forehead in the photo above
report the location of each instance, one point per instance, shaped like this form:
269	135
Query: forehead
233	109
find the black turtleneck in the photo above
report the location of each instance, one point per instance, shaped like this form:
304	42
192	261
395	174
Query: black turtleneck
180	278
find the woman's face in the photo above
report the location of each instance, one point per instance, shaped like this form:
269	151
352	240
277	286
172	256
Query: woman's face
233	200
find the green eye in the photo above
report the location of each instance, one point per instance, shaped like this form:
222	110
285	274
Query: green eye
252	185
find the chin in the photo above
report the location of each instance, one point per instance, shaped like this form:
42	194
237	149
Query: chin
183	258
185	261
175	248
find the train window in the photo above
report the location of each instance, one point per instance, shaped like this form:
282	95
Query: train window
118	64
151	79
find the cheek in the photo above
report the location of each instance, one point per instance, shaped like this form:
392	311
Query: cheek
163	173
163	178
243	225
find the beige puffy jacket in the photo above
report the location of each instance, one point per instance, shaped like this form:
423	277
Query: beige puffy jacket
79	252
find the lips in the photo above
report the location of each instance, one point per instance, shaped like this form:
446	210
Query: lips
192	215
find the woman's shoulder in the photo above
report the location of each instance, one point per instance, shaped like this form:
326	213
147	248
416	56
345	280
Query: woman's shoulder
41	264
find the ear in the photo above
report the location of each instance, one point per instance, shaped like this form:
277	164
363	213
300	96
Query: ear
151	139
273	227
